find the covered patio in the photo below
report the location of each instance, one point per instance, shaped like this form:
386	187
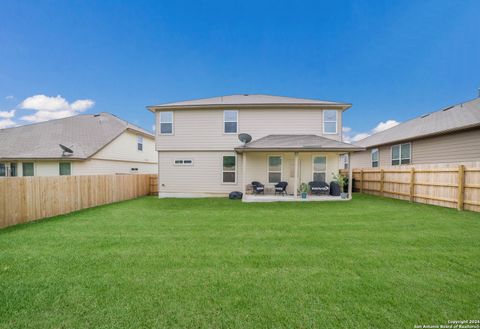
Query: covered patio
294	159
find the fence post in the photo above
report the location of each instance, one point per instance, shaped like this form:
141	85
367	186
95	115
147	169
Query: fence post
412	183
461	186
381	181
361	181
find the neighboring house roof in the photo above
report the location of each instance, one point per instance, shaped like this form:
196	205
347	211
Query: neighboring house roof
458	117
85	134
256	100
297	143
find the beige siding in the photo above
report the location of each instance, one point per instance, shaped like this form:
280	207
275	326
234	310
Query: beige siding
459	147
91	167
205	175
124	147
203	129
47	168
105	167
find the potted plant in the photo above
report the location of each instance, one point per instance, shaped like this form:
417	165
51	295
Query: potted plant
341	181
303	190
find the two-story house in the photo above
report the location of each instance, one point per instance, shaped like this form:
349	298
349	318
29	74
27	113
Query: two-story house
293	139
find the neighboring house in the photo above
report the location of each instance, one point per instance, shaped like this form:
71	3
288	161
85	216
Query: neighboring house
451	135
294	140
101	144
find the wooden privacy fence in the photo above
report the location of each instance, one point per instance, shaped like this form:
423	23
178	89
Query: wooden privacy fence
153	185
24	199
454	187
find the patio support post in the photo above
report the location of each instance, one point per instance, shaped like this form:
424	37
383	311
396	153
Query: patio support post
350	175
244	173
295	184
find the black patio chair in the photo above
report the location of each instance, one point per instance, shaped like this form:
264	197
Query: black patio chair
258	187
281	188
318	187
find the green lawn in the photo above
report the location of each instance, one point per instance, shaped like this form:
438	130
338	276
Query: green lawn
216	263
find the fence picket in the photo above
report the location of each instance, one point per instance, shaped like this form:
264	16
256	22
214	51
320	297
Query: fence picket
24	199
447	186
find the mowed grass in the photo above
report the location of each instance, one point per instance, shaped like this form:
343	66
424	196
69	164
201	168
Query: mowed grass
215	263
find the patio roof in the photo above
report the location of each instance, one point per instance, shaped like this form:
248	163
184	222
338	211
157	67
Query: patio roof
297	143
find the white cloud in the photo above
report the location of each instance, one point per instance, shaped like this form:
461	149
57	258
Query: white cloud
82	105
7	123
349	136
48	108
10	97
7	114
153	127
385	125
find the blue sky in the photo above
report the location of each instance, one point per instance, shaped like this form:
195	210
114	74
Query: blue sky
393	60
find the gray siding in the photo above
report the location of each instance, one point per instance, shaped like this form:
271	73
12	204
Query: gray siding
458	147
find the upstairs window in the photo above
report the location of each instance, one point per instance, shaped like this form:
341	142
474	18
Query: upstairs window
319	168
229	168
28	169
329	121
374	158
230	122
140	143
166	123
65	168
401	154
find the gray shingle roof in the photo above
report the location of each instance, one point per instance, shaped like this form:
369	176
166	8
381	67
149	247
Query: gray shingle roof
452	118
247	99
84	134
297	142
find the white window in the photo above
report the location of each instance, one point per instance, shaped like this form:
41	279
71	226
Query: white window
139	143
183	162
166	123
230	122
401	154
319	168
229	168
374	157
329	121
274	169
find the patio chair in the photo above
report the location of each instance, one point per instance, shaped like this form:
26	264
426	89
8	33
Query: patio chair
281	188
318	187
258	187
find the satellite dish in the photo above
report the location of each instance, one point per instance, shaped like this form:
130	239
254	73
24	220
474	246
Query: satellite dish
66	150
245	138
